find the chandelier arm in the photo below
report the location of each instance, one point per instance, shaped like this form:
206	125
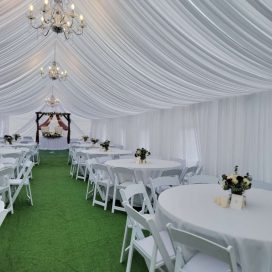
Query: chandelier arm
46	33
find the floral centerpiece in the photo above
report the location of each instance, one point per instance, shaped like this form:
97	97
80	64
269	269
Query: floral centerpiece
142	153
17	136
8	139
105	145
85	138
236	183
51	135
94	140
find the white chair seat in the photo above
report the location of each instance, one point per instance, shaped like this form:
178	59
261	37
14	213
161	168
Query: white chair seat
205	263
146	245
16	182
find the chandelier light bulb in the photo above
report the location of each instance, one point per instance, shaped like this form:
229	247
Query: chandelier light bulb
73	7
31	8
46	2
81	17
42	19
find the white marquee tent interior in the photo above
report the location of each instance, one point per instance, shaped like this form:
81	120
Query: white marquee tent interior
189	79
162	99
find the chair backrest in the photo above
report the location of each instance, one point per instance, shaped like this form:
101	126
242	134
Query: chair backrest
128	195
5	174
188	172
81	157
148	223
202	179
122	175
181	238
172	172
101	171
160	184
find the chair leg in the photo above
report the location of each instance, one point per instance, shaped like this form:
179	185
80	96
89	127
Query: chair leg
10	201
106	197
94	193
77	171
29	194
113	199
130	254
125	238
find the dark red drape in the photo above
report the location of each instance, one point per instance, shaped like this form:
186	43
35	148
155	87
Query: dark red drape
45	123
61	124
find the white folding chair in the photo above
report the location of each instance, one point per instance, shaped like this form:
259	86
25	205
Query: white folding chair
91	177
158	185
202	179
18	157
156	249
102	184
173	172
3	212
23	180
131	194
81	159
188	172
123	177
211	257
5	174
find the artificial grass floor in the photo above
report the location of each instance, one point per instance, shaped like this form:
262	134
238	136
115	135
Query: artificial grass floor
62	231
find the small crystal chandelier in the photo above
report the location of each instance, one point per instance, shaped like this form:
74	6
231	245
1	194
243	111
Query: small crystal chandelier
52	101
54	71
58	18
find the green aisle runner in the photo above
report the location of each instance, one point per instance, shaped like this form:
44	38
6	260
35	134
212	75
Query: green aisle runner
62	231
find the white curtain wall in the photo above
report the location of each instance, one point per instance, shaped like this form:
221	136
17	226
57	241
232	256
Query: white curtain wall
221	134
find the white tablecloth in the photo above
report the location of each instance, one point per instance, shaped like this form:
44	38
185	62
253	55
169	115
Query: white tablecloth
53	143
143	172
249	231
6	151
110	152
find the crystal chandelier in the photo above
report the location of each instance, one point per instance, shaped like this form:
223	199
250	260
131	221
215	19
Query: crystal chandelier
58	18
54	70
52	101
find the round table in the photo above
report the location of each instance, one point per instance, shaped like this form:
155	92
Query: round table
7	151
249	231
110	152
153	168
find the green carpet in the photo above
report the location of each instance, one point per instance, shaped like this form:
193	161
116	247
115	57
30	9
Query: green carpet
62	231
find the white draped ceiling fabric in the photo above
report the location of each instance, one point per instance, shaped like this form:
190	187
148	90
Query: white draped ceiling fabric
139	56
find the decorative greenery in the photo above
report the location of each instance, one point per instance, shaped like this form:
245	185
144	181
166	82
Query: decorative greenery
8	139
51	135
17	136
105	145
54	113
236	183
94	140
85	138
142	153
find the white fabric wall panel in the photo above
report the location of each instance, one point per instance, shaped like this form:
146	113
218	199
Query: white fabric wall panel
221	134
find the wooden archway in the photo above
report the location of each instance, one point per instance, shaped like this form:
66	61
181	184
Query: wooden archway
39	115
